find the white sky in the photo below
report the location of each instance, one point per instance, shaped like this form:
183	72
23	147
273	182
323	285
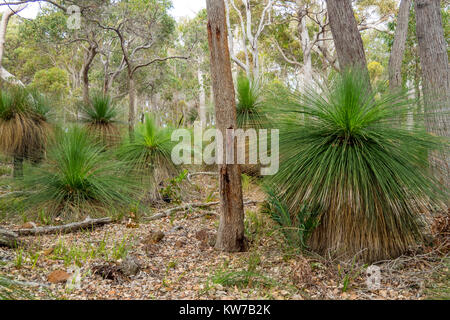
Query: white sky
181	8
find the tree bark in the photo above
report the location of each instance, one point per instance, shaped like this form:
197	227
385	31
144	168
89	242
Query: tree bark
346	36
398	48
132	106
436	80
3	26
90	55
230	235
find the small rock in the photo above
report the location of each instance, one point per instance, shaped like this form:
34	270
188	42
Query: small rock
58	276
130	266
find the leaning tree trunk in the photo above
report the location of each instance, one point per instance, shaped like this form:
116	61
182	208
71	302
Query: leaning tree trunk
398	47
90	55
132	105
230	236
346	36
436	80
3	25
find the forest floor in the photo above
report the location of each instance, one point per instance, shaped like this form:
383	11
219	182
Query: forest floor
182	264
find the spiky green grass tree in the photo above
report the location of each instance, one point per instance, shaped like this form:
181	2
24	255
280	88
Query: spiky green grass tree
149	154
24	127
79	178
343	152
250	102
101	119
250	114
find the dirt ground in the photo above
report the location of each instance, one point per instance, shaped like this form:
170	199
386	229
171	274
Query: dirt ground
176	260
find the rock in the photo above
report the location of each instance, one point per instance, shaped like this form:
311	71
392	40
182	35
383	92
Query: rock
58	276
28	225
154	237
130	266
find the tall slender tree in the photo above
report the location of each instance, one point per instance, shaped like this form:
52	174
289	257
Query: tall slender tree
231	227
398	47
436	79
346	36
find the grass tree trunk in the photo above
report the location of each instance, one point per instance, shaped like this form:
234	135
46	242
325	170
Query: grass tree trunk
89	58
18	167
436	79
398	47
230	236
346	36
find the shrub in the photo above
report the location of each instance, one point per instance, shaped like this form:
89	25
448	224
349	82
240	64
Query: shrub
100	117
150	154
249	105
296	227
343	152
24	125
78	178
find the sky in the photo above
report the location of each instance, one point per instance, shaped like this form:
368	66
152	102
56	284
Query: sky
181	8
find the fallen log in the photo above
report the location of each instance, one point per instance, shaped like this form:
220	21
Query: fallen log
67	228
9	239
190	175
187	206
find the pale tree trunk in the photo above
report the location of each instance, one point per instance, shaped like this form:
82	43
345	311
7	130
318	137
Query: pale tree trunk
3	26
230	236
436	79
4	74
398	47
306	47
202	98
346	36
132	106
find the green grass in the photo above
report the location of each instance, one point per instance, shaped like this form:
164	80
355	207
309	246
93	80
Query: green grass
78	179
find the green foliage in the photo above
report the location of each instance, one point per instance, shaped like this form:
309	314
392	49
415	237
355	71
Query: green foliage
52	81
100	117
11	290
343	152
173	189
249	103
296	226
78	178
150	153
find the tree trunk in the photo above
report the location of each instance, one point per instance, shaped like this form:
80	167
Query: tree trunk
398	48
92	52
18	167
436	79
202	98
230	236
132	106
3	25
346	36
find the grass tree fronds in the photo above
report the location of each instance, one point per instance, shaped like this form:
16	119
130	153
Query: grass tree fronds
101	118
150	153
250	103
78	179
24	126
343	151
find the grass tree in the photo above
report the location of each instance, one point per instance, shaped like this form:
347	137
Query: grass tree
343	154
150	154
24	126
100	117
78	179
249	106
